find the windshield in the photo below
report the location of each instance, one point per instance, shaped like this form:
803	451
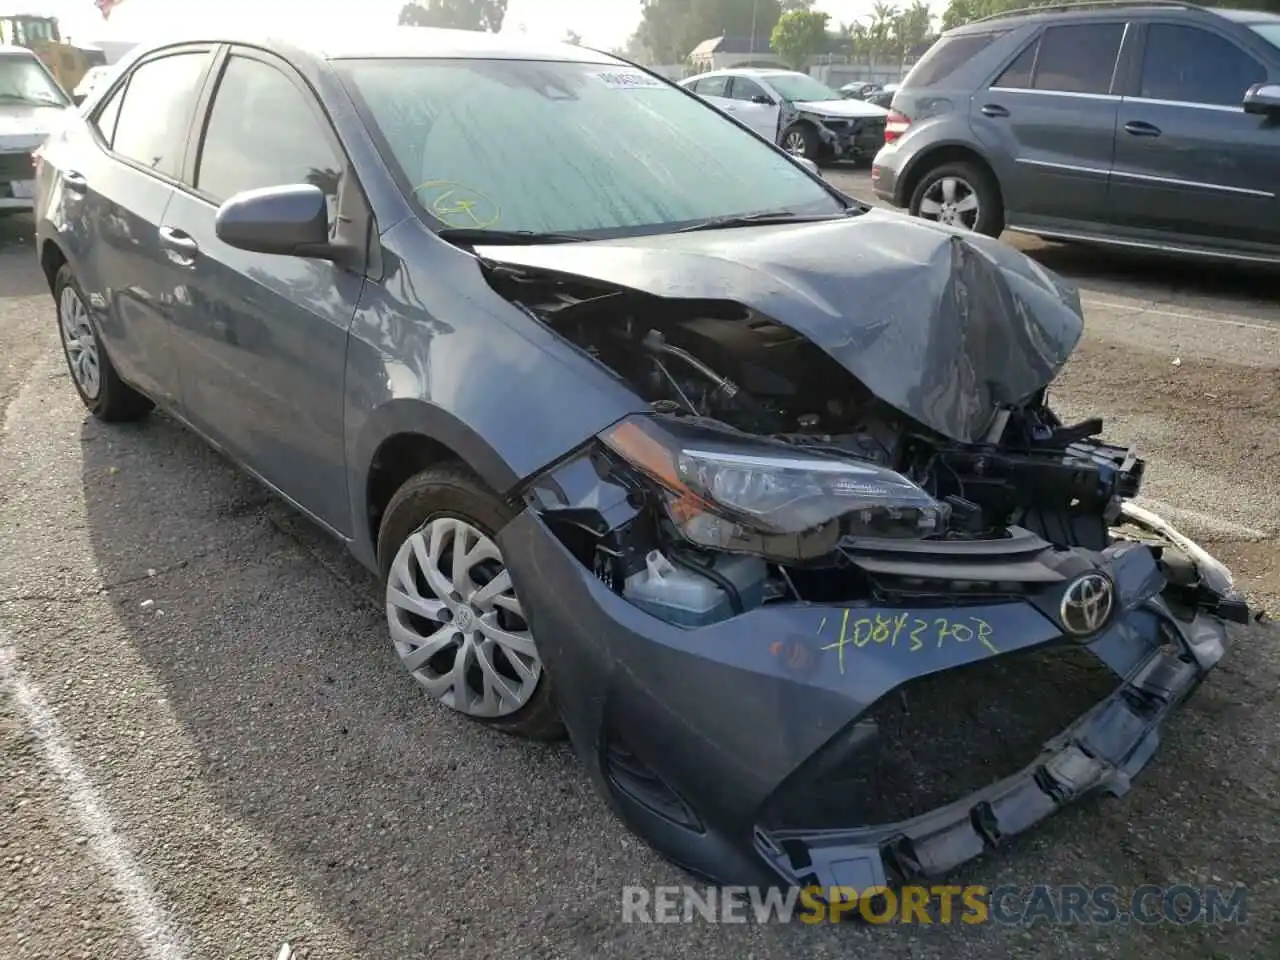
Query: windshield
1269	32
800	86
24	80
555	147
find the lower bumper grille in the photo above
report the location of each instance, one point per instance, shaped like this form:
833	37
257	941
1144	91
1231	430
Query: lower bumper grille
939	738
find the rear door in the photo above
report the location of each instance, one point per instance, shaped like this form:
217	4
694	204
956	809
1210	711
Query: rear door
263	339
1188	158
754	107
1052	110
714	90
114	200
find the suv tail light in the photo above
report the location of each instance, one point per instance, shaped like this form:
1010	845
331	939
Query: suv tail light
895	125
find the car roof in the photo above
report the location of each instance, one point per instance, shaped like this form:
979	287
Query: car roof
745	72
339	42
1089	9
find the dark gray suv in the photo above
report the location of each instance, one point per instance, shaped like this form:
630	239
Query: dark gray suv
1154	126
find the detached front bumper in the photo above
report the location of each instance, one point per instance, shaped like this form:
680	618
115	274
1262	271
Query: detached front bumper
710	742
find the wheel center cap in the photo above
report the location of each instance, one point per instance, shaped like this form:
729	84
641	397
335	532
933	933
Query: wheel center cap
464	619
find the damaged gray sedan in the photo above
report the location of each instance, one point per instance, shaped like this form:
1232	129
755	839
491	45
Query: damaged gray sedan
650	435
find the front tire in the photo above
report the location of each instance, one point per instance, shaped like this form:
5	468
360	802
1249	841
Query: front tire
455	620
95	378
800	140
962	195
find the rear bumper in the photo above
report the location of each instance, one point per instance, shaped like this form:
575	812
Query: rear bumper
884	176
694	735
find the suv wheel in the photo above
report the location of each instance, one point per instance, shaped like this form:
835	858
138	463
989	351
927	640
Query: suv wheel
456	621
100	387
961	195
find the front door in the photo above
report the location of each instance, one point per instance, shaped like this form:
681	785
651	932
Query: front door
263	338
1053	112
1189	160
749	102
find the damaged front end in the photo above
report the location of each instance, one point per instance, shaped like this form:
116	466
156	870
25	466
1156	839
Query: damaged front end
806	630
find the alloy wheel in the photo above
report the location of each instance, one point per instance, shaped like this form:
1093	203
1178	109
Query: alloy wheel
795	144
456	622
80	343
951	201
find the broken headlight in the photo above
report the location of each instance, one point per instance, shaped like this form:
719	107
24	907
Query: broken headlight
739	493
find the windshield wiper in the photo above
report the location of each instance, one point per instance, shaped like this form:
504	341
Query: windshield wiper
477	235
764	218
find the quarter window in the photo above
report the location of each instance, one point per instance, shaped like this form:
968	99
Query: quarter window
263	132
108	113
153	122
1190	65
1080	58
1018	74
946	56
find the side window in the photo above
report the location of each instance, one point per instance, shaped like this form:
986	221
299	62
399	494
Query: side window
1191	65
108	113
263	132
744	89
153	121
713	86
1080	58
946	56
1018	74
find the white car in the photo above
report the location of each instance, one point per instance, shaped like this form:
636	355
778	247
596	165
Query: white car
31	107
804	116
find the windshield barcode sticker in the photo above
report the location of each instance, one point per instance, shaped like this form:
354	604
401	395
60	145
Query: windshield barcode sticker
628	80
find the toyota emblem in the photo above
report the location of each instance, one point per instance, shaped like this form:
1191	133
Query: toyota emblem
1086	606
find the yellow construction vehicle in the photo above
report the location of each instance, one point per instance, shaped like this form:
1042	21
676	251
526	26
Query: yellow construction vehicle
67	62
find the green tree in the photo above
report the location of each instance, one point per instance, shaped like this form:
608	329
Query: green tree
573	37
670	29
791	6
455	14
798	35
910	27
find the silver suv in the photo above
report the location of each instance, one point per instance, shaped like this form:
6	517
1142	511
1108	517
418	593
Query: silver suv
1152	125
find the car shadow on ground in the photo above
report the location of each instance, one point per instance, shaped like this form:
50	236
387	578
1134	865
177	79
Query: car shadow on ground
415	827
20	274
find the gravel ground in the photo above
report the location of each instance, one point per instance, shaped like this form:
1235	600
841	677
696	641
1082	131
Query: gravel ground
207	750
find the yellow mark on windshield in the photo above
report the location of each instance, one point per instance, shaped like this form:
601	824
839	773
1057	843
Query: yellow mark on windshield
458	205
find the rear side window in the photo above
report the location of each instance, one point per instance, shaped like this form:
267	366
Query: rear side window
947	56
1080	58
712	86
154	119
1191	65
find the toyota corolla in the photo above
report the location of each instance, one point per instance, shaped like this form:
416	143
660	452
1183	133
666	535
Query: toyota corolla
650	435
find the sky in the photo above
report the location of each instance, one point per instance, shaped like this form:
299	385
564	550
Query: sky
600	23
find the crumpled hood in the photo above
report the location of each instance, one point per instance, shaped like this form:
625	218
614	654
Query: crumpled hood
841	108
945	326
24	127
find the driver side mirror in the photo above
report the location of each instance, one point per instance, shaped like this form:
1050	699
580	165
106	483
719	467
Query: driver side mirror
762	99
291	221
1262	98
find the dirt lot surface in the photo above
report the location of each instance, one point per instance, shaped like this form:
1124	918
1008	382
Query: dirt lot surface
207	750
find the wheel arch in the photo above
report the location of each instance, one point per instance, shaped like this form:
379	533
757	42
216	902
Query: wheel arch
52	259
403	438
934	156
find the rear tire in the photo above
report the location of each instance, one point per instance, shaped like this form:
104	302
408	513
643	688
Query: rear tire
95	378
961	194
438	611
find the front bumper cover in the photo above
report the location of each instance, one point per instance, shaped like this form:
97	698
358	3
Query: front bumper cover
689	733
854	138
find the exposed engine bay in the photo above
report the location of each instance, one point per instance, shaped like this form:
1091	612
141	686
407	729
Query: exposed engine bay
720	363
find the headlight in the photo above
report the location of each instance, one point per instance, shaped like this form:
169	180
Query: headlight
738	493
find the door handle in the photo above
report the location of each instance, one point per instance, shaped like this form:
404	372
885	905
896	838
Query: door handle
180	246
993	110
1140	128
75	182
